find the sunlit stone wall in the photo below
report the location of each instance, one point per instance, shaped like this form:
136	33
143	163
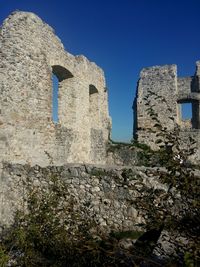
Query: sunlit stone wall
30	53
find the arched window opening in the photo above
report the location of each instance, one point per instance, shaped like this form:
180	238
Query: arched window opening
55	98
94	105
92	89
59	74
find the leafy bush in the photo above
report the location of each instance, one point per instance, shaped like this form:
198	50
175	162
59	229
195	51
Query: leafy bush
179	209
54	231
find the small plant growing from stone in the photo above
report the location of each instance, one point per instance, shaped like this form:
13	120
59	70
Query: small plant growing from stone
178	210
53	230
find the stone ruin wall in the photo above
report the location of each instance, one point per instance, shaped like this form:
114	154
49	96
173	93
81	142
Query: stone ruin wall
160	94
105	193
29	54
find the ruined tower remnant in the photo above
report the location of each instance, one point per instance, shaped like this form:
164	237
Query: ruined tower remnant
160	95
30	53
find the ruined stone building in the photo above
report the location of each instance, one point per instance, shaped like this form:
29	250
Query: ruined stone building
30	53
36	151
158	103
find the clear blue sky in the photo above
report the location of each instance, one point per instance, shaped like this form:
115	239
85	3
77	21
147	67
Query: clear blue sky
122	37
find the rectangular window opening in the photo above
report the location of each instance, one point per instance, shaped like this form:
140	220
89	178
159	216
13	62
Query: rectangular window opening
186	111
55	99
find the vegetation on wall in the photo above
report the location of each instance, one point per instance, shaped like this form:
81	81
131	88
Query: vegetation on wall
178	212
52	230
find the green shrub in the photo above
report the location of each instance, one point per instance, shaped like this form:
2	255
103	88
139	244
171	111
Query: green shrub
55	231
4	257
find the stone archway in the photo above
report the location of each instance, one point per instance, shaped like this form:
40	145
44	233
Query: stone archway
93	106
194	121
59	75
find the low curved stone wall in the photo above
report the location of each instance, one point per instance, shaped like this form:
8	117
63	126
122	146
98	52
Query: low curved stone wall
111	195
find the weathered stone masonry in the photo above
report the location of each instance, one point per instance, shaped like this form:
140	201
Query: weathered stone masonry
29	54
161	92
33	148
108	194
